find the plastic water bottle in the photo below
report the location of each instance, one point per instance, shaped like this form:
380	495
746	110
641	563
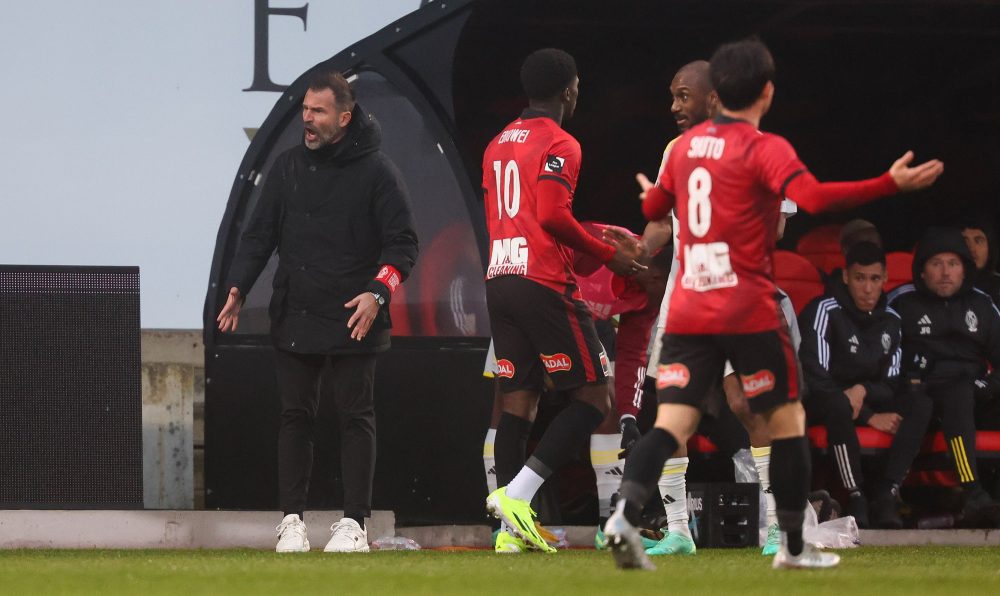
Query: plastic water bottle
395	543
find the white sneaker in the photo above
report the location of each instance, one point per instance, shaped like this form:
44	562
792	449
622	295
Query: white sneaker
810	558
625	542
292	535
348	537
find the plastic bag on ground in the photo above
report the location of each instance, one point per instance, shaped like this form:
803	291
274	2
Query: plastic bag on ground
395	543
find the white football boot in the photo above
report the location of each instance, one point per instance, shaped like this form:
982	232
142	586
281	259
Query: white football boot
625	542
292	535
348	537
811	557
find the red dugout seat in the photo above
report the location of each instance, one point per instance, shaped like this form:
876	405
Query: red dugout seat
821	247
797	277
899	269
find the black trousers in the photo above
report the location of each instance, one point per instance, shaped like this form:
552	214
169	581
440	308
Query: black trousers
349	380
835	413
953	404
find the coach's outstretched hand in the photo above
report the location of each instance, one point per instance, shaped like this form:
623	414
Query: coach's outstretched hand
230	315
627	254
910	179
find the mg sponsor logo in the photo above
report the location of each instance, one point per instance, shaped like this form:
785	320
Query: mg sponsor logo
672	375
556	362
505	368
509	256
757	383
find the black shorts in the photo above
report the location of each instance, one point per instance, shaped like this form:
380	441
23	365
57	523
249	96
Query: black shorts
537	331
692	365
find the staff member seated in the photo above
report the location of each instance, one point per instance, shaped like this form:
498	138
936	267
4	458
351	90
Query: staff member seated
850	355
950	332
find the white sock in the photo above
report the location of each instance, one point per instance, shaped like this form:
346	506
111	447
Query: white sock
762	461
525	484
608	469
489	461
673	491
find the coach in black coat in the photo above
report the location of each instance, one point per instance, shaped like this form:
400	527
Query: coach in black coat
336	210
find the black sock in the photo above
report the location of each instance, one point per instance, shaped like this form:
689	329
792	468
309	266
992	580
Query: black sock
643	468
567	434
358	517
301	515
790	469
510	446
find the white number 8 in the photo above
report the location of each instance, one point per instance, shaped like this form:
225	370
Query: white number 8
508	197
699	202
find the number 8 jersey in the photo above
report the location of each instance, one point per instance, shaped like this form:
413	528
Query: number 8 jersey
727	180
529	150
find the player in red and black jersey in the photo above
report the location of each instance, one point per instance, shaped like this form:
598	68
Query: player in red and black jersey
539	323
727	180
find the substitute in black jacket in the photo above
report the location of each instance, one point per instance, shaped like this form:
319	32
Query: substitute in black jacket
950	331
850	355
982	242
336	210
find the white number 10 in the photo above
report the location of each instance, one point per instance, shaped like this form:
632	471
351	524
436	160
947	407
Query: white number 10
699	202
509	196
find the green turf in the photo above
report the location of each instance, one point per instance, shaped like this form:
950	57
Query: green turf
882	571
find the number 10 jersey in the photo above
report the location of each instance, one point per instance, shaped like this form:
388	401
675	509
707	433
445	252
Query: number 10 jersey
529	150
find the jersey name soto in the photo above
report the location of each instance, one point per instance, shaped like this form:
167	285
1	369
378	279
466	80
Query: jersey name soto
706	147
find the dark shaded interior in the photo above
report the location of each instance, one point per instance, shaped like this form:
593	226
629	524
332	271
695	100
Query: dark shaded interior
858	84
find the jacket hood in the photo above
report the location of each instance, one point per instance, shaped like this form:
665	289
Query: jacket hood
364	136
843	297
936	241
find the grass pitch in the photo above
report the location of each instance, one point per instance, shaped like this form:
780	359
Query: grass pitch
882	571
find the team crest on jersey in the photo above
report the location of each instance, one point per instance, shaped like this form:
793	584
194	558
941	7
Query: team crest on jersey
672	375
972	321
505	368
761	381
554	163
886	343
556	363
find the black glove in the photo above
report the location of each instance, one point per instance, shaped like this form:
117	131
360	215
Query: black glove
630	434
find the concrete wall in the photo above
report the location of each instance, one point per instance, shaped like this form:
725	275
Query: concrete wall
173	399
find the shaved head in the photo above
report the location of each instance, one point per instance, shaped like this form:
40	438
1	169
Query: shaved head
694	100
696	73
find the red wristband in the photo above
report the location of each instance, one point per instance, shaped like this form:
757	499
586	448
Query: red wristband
389	276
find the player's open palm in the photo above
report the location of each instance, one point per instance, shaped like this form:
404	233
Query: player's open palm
909	178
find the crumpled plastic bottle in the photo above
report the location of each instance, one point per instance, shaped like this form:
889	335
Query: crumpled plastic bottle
395	543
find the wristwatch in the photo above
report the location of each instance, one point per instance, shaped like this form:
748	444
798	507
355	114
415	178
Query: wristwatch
378	298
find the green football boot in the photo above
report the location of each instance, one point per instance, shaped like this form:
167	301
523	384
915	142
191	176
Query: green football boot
507	543
773	541
673	544
518	516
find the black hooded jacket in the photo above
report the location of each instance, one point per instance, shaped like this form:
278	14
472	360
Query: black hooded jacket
336	215
987	278
947	340
843	346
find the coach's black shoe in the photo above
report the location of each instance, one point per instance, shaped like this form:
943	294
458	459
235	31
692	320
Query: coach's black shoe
980	510
884	513
857	506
